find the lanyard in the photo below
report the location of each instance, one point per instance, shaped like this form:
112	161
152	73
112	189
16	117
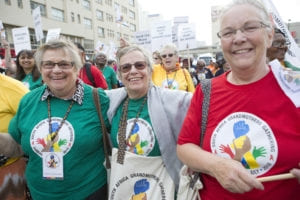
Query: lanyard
53	135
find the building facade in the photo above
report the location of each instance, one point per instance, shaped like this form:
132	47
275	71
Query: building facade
85	21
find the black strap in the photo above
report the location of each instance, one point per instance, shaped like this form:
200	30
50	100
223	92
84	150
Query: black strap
206	89
89	73
106	142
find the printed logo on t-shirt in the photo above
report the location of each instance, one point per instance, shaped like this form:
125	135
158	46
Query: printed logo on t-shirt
43	141
141	140
246	138
170	84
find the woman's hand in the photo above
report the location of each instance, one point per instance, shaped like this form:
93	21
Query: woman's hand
234	177
296	172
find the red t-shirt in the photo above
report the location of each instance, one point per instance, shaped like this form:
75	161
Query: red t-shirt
260	112
98	77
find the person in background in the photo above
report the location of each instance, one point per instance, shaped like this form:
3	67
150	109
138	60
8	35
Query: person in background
136	112
12	164
220	61
243	140
201	72
89	73
112	63
59	130
27	71
212	66
100	61
157	60
8	63
278	50
169	74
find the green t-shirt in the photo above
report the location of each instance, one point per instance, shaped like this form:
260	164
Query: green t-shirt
110	76
80	140
30	84
142	140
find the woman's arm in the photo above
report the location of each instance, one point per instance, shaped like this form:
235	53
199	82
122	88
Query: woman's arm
229	173
9	147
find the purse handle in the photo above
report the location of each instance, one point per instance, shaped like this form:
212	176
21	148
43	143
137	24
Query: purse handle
106	143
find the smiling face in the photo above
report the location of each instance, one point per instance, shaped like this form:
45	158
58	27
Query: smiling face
245	51
61	82
136	81
26	61
169	58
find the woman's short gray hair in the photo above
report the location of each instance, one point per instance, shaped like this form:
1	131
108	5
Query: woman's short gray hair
127	49
255	3
67	46
171	47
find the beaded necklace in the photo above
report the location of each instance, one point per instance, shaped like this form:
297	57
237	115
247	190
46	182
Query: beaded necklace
169	82
122	128
54	134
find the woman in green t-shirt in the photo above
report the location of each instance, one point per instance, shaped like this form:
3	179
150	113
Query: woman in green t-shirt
27	71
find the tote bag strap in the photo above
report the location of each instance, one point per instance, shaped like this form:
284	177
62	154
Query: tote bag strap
106	143
206	90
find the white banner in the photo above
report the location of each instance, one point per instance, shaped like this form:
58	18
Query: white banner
161	34
186	36
143	38
2	29
53	34
37	20
293	53
21	39
175	34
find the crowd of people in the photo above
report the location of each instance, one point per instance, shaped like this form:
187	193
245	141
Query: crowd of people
51	137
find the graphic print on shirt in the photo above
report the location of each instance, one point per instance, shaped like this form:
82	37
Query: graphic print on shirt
141	140
170	84
248	139
40	139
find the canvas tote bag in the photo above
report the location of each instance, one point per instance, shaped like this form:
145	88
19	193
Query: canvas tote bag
140	177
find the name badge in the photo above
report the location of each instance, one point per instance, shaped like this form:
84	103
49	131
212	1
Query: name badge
53	165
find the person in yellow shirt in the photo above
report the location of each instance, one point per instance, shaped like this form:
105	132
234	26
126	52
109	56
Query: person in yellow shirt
169	74
12	166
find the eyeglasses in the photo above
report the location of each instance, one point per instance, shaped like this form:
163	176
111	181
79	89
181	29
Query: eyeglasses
170	55
280	44
248	28
155	58
61	64
139	65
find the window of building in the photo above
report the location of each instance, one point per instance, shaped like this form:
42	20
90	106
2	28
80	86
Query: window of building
72	17
99	1
86	4
33	5
118	35
99	15
108	2
109	17
78	18
20	3
88	44
8	2
110	33
131	14
58	14
132	27
77	1
101	32
124	10
126	37
87	23
131	2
